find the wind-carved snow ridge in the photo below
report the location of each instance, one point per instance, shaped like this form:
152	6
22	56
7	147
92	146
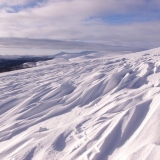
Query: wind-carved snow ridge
83	108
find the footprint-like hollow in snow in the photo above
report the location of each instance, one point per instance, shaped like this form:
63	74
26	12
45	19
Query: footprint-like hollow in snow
60	142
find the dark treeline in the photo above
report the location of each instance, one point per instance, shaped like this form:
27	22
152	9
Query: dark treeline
15	64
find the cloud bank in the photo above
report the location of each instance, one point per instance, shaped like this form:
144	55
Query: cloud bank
126	24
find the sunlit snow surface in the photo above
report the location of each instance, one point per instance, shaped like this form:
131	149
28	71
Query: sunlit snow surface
83	108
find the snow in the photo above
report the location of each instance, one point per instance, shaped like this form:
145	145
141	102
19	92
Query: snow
82	107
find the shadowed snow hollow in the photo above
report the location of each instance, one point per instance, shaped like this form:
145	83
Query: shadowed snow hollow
80	107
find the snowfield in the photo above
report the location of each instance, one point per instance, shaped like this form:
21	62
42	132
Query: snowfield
85	107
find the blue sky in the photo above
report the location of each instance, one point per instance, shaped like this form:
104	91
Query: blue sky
20	7
116	25
129	18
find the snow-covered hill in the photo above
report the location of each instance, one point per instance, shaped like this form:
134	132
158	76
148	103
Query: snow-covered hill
83	107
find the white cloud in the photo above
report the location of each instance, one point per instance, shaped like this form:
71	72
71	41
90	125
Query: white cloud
70	20
15	2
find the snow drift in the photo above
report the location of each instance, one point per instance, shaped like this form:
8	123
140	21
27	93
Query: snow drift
83	108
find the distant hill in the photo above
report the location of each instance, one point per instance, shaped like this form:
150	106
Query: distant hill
10	64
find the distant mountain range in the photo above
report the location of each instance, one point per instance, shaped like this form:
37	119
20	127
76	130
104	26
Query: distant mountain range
16	62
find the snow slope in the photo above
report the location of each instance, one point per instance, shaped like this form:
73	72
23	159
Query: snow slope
83	109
